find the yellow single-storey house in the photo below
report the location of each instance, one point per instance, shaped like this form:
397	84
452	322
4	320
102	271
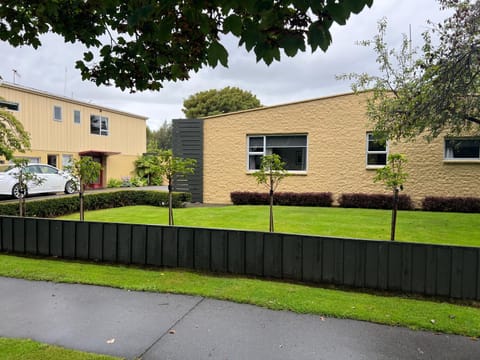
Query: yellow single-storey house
62	128
328	146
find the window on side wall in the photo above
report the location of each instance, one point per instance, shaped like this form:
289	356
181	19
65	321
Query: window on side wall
57	113
462	149
76	116
98	125
292	149
377	151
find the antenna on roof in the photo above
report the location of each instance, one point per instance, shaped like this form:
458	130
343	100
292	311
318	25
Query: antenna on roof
15	74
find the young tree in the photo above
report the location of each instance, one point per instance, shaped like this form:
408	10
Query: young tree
271	173
87	171
13	137
139	45
215	102
393	176
23	177
172	167
429	91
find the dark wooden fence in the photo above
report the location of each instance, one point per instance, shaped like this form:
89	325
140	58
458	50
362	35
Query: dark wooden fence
449	271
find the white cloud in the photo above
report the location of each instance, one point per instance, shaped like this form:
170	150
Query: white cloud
52	67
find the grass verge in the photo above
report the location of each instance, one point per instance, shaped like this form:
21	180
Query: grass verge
390	310
24	349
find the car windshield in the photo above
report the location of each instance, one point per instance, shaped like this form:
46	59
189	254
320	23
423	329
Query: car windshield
6	167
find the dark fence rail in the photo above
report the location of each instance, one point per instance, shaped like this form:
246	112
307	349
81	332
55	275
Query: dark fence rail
448	271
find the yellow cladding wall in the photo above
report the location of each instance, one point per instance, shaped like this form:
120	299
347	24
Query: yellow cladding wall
127	132
336	130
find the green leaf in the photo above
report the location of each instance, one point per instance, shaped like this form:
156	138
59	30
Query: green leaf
291	43
301	5
233	24
355	6
88	56
318	36
338	12
216	52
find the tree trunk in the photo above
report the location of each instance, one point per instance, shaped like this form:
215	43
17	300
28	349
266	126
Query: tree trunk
271	203
80	194
394	213
21	200
271	211
170	207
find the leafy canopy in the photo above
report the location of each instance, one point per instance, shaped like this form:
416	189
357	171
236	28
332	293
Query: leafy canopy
13	137
215	102
430	90
393	175
160	138
86	170
138	45
171	166
272	172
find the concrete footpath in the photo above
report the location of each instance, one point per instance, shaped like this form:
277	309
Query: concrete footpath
162	326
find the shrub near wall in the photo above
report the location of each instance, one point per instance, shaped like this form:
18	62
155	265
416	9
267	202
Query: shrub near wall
374	201
451	204
282	198
67	205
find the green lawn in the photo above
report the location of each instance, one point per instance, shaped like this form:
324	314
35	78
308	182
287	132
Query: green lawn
400	311
412	226
24	349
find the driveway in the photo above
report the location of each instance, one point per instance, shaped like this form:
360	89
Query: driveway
164	326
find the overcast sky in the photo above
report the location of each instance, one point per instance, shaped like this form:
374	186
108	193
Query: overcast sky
51	68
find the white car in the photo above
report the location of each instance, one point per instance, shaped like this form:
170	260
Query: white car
52	180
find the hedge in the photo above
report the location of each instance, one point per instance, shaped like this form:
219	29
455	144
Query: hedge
374	201
451	204
282	198
105	200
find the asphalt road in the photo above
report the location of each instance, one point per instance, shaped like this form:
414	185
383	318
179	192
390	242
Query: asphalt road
164	326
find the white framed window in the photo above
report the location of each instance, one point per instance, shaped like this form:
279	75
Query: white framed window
377	151
76	116
98	125
57	113
291	148
462	149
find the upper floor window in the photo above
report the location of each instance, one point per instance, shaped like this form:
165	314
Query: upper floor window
98	125
462	148
76	116
292	149
57	113
9	105
377	151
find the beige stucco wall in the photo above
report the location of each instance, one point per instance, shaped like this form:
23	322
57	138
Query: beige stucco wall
336	130
125	141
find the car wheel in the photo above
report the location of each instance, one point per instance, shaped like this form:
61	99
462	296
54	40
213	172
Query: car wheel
17	194
70	187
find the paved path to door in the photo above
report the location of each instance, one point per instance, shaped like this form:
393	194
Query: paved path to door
162	326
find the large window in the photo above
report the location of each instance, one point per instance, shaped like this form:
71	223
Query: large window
466	148
98	125
376	151
291	148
